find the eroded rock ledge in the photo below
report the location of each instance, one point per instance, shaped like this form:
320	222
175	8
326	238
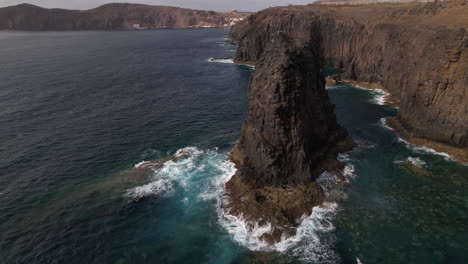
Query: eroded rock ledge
417	52
289	138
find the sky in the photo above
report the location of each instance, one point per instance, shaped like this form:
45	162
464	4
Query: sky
216	5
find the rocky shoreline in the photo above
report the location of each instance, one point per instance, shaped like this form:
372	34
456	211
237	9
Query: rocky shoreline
414	52
460	154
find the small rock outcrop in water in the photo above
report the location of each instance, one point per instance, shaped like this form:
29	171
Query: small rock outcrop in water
416	51
289	138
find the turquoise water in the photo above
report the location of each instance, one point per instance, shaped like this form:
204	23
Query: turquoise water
81	109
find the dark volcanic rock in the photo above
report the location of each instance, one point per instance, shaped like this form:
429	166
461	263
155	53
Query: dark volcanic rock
416	51
289	138
291	124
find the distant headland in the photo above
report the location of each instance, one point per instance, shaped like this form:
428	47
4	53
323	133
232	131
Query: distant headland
114	17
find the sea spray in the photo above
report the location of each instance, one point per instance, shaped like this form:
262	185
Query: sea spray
172	172
313	239
230	61
383	123
222	60
415	161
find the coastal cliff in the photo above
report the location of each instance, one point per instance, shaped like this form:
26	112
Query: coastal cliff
289	138
111	16
415	51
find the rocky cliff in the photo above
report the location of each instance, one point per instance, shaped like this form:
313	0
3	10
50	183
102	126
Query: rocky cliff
110	16
289	138
416	51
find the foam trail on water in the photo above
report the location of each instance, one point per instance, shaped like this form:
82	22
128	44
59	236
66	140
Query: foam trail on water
418	162
419	149
383	123
172	173
222	60
312	241
141	164
210	170
379	96
229	61
426	150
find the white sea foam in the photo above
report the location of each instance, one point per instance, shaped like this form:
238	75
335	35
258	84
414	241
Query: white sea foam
310	242
188	151
172	173
420	149
222	60
379	96
344	157
417	162
349	169
358	261
307	243
216	189
383	123
249	234
141	164
426	150
229	61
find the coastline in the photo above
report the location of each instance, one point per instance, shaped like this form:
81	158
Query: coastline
389	99
458	154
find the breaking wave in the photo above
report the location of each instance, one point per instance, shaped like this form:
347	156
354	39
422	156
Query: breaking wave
418	162
230	61
379	96
172	173
420	149
205	173
383	123
312	241
222	60
426	150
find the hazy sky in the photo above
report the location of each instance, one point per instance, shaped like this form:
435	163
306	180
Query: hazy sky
244	5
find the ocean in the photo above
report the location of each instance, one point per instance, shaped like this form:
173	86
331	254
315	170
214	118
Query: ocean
80	111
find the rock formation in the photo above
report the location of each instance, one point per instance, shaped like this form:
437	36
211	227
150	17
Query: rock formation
416	51
289	138
110	16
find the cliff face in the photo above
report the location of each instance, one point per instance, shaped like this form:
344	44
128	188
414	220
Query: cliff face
291	124
110	16
415	51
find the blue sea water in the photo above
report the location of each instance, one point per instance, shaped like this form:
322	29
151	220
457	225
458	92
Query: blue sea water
80	109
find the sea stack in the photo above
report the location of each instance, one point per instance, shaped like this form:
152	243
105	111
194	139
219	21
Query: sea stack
289	138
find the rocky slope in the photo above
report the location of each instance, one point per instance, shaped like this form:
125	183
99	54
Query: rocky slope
416	51
289	138
110	16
